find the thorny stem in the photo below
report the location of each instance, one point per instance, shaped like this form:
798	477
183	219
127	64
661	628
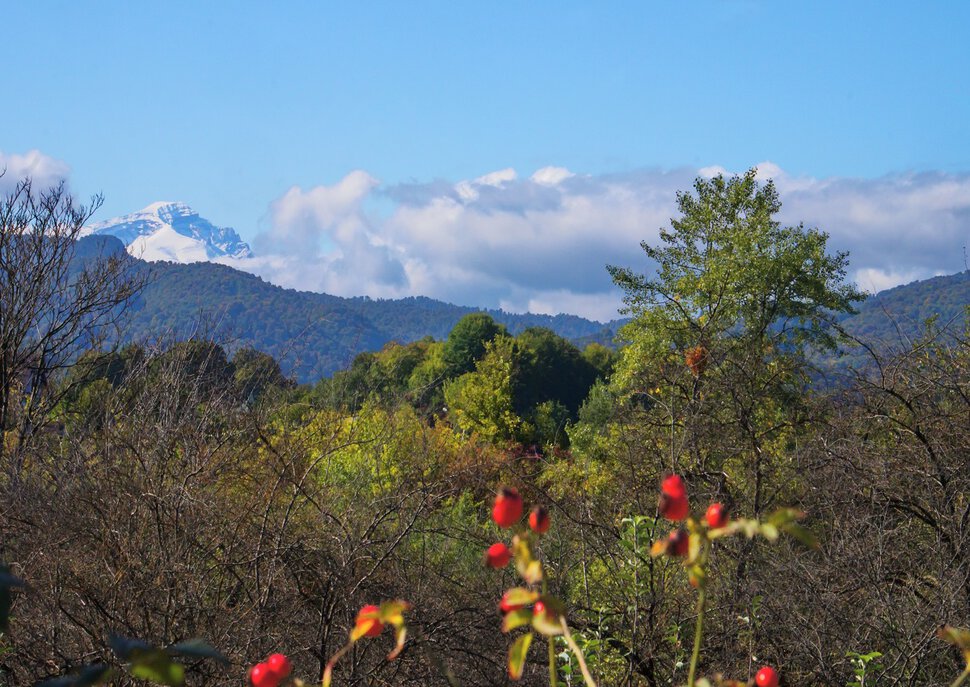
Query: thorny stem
553	673
553	677
698	633
587	678
328	671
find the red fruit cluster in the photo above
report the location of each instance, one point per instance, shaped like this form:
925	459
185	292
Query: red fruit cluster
673	499
716	516
678	543
506	512
498	555
508	507
368	622
271	672
539	520
766	677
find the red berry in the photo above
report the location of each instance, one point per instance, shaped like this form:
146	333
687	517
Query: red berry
539	608
262	676
498	555
766	677
539	520
678	543
673	485
280	665
716	515
508	507
673	508
369	623
506	607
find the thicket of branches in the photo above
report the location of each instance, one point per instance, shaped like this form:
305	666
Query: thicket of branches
180	492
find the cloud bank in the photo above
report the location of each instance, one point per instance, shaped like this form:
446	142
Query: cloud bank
44	170
541	243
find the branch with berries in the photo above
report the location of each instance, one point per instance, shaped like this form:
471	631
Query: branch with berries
529	606
693	543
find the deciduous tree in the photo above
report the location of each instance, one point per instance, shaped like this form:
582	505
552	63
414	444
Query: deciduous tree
55	302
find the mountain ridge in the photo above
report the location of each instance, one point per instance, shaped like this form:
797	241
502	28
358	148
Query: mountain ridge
312	334
171	230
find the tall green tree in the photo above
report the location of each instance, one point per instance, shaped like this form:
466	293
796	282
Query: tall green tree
552	369
466	342
728	271
720	331
483	401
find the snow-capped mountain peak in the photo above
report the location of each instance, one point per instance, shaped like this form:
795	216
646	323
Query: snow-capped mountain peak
173	231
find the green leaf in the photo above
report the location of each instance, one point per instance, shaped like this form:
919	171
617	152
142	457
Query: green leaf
769	532
88	676
694	547
197	648
520	596
392	612
156	665
517	654
529	568
517	618
800	534
147	662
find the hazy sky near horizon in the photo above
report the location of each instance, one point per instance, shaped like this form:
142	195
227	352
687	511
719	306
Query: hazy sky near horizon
498	154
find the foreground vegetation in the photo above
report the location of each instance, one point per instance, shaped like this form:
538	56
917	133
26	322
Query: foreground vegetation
173	492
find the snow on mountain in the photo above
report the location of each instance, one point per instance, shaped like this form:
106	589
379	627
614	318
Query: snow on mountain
174	232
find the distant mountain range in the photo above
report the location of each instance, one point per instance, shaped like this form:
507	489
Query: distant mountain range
316	334
901	312
311	334
172	231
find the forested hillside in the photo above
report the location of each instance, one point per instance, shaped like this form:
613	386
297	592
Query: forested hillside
904	310
312	334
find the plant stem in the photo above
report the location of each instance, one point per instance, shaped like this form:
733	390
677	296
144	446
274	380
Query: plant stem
587	678
436	661
553	673
961	678
698	633
553	677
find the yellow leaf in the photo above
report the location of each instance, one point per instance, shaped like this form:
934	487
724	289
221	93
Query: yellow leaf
517	654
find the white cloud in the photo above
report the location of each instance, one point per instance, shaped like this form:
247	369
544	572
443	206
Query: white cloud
542	242
322	239
551	176
602	306
874	280
44	170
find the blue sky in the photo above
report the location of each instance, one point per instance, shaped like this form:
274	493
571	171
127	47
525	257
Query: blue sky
235	107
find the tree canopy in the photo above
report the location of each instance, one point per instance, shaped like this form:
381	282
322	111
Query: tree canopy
728	270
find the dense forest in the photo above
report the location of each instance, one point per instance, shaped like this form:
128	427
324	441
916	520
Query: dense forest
711	500
312	335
